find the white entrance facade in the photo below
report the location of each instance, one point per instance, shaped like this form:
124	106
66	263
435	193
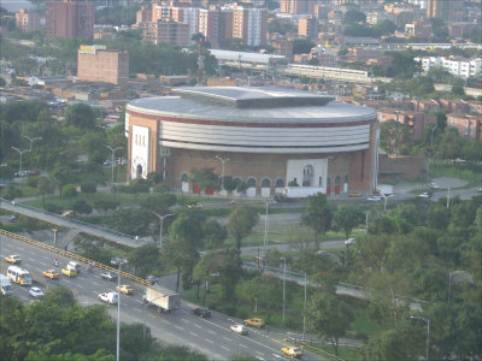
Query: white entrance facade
305	177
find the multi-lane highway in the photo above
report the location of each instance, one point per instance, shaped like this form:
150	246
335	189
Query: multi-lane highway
211	337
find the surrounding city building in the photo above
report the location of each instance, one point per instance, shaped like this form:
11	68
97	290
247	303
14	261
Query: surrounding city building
295	7
469	126
168	32
96	63
460	67
438	9
249	25
27	21
416	121
277	141
70	19
308	27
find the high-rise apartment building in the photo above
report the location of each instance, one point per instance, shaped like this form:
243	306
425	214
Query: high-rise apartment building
70	19
296	7
249	25
308	27
168	32
96	63
438	9
210	25
27	21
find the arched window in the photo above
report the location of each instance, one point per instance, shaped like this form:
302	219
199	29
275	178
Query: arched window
139	171
346	179
308	173
280	183
337	180
184	178
266	183
251	183
320	181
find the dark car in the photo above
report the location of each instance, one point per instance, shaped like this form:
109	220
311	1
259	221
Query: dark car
152	279
109	276
202	312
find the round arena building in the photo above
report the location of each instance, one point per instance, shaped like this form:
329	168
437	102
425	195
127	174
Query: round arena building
273	140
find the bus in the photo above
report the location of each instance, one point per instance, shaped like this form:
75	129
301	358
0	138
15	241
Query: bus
19	275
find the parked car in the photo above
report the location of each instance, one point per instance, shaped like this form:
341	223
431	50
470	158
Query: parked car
434	185
255	322
13	259
109	276
51	274
354	194
425	195
36	292
109	297
374	198
152	279
201	312
125	289
238	328
350	241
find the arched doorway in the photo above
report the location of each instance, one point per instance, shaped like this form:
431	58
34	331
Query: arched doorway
337	184
139	171
345	185
184	183
251	191
308	174
265	187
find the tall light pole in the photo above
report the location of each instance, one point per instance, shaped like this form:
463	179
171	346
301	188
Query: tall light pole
427	346
223	161
304	307
266	222
20	152
32	140
284	289
113	150
118	262
161	224
54	231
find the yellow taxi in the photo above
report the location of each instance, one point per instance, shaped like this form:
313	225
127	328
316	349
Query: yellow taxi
255	322
52	274
69	272
292	351
13	259
125	289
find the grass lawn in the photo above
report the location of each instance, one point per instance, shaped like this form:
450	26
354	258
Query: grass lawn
344	353
461	172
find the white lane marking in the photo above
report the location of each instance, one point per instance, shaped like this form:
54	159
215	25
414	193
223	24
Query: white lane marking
211	332
226	338
243	345
179	327
184	320
198	326
193	334
208	340
139	302
225	348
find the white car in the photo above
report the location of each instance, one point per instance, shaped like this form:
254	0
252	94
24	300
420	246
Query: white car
350	241
374	198
36	292
238	328
425	195
479	189
109	297
434	185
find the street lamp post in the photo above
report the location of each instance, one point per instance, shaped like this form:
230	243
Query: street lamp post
284	288
427	346
118	262
161	224
223	161
266	222
54	240
20	152
113	150
304	307
32	140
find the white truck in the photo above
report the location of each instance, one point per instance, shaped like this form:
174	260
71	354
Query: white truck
162	298
5	285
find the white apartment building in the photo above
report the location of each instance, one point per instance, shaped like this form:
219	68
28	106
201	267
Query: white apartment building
460	67
190	17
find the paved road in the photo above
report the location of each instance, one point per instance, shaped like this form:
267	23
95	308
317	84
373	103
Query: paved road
92	230
286	247
211	337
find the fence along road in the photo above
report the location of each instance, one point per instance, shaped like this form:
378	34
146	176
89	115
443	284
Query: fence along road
90	229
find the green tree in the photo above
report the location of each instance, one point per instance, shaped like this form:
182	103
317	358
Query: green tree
182	248
44	186
159	203
82	207
214	234
131	221
318	215
354	16
80	116
329	317
205	178
69	190
394	137
241	222
145	260
348	217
